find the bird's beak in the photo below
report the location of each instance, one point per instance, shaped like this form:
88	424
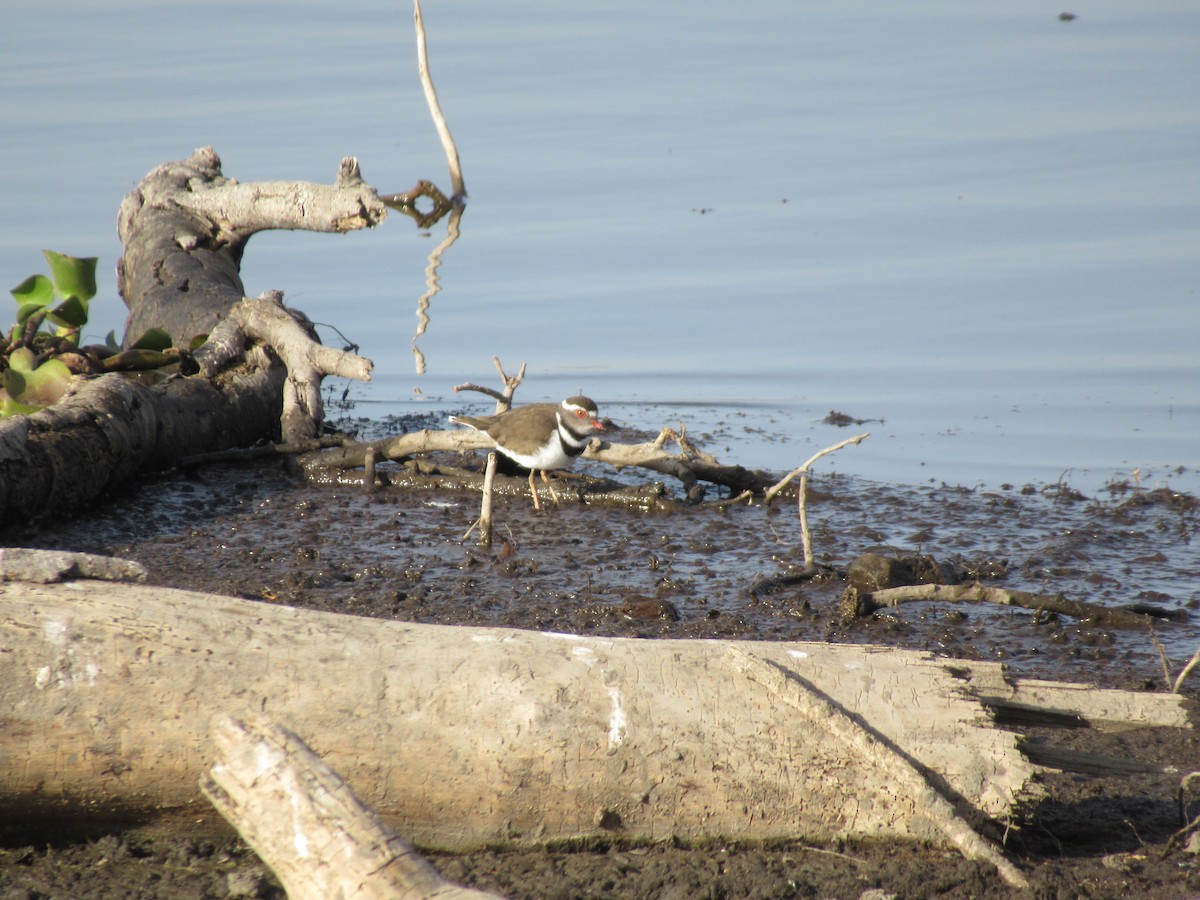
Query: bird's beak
598	425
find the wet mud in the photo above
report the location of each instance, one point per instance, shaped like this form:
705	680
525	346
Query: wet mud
255	531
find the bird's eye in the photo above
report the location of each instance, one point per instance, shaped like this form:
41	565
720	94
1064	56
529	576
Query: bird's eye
581	413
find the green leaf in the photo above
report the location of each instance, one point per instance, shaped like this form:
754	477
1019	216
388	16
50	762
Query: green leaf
10	407
111	342
71	313
34	289
153	339
35	387
73	276
14	380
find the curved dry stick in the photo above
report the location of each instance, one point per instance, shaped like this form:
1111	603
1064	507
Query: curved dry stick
1187	670
802	471
786	480
435	108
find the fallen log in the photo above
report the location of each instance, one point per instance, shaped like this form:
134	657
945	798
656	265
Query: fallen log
471	736
184	230
307	825
108	430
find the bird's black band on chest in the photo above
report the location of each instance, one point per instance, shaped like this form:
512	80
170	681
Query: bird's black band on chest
569	448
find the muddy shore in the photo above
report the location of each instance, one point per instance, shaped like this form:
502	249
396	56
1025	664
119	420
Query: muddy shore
254	531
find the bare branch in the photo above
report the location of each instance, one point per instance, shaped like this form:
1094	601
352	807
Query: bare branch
780	485
1187	670
307	824
435	108
503	398
802	471
289	334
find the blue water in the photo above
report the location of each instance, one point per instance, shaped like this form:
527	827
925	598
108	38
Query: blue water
981	226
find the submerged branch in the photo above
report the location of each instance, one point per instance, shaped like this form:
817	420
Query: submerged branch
856	604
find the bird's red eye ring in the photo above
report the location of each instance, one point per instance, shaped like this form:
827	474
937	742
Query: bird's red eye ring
581	413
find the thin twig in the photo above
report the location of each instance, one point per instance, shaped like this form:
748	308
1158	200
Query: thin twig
1162	654
1189	825
1187	670
786	480
805	534
802	471
369	469
435	108
485	506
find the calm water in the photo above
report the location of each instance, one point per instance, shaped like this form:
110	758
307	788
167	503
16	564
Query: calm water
981	226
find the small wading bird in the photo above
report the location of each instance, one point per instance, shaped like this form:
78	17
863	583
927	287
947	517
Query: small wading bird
540	436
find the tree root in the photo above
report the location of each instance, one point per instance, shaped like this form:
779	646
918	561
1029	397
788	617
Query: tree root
290	335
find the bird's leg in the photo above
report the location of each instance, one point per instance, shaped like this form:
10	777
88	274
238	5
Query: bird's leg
537	504
550	487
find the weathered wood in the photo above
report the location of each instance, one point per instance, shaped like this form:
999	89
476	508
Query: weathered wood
467	736
860	741
264	320
184	230
46	566
305	823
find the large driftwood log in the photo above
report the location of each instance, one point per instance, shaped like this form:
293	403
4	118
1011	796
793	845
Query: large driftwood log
184	230
468	736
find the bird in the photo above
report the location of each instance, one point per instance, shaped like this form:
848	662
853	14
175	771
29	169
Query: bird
540	436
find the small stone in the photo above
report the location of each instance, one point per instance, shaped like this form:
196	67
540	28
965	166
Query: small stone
649	608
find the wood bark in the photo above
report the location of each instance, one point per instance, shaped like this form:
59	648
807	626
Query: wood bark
469	736
112	428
